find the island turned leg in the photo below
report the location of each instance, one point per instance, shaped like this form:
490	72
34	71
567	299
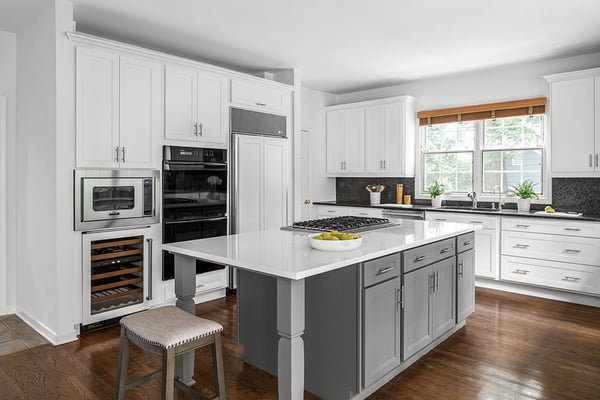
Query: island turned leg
185	289
290	326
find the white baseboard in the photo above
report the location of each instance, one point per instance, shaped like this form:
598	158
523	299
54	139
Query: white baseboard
49	334
535	291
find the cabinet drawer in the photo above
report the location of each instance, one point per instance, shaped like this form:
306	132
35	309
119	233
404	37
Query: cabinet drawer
381	269
331	211
365	212
465	242
568	249
210	281
424	255
486	221
559	227
252	94
579	278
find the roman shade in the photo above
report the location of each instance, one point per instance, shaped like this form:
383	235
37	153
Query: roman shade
483	111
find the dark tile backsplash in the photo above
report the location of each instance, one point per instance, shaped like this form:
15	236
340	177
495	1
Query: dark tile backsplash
568	194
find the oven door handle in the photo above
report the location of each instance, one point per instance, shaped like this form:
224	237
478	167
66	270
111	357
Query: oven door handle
216	219
187	165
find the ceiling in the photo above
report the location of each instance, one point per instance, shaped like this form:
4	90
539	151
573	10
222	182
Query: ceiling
341	46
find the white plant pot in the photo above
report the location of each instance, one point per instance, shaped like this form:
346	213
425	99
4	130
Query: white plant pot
523	205
436	202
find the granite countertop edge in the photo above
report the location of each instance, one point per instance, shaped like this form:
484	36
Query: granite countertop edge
503	212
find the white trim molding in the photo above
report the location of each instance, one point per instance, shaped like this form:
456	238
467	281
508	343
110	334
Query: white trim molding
3	187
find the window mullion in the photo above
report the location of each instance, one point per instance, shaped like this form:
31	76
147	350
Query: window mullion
478	158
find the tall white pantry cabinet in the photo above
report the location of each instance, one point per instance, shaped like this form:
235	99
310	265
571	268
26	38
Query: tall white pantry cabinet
261	183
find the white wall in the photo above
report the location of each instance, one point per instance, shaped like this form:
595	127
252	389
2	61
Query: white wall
485	86
48	280
313	120
8	89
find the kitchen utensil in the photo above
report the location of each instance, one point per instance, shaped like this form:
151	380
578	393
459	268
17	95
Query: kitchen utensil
368	189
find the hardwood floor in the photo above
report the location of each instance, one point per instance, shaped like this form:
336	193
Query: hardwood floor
513	347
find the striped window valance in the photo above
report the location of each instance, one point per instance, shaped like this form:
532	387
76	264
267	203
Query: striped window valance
483	111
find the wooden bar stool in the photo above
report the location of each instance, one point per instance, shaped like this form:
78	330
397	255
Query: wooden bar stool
169	331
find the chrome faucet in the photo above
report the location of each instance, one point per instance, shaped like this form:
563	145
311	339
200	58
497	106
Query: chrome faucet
473	197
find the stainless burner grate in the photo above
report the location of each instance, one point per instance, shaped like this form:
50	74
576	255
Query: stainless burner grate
346	223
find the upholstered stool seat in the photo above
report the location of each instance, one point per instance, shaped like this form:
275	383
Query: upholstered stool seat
169	331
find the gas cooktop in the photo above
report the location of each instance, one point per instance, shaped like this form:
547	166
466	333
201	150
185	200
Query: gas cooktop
345	224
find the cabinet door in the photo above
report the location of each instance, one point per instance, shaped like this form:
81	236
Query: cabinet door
140	111
275	174
335	141
354	140
376	138
486	253
249	187
573	126
384	138
345	141
213	110
97	108
381	340
416	316
181	97
465	288
256	95
444	296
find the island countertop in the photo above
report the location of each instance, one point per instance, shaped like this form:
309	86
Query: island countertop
286	254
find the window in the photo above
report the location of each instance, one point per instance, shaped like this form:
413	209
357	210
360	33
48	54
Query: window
488	151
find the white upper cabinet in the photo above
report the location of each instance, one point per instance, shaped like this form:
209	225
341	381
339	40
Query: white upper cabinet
575	123
140	118
345	141
195	105
118	103
389	149
97	108
251	94
371	138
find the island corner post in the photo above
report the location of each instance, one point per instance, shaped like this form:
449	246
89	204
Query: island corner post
290	327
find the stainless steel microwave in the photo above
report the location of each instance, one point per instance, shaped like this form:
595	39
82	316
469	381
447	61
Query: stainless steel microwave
107	199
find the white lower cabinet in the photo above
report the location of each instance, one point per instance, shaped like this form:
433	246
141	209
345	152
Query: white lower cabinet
324	211
429	304
557	254
487	242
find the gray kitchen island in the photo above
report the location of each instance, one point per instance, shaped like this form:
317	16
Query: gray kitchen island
399	287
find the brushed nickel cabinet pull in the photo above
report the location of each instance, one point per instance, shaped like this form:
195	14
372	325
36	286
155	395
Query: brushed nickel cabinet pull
261	104
522	226
571	279
521	271
200	129
572	251
445	250
596	159
461	270
591	161
122	154
420	258
521	246
117	154
467	242
573	229
385	270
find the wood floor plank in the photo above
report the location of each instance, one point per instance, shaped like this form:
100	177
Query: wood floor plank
513	347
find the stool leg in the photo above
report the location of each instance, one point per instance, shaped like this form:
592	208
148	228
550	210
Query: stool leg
123	365
168	374
217	355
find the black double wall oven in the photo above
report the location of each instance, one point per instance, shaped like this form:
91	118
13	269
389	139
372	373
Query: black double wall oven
194	199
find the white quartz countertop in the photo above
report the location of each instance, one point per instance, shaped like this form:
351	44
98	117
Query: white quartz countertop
288	254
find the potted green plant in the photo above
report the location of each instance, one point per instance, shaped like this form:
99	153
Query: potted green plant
435	190
525	192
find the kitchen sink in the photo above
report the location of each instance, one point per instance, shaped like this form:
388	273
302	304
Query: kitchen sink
469	208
